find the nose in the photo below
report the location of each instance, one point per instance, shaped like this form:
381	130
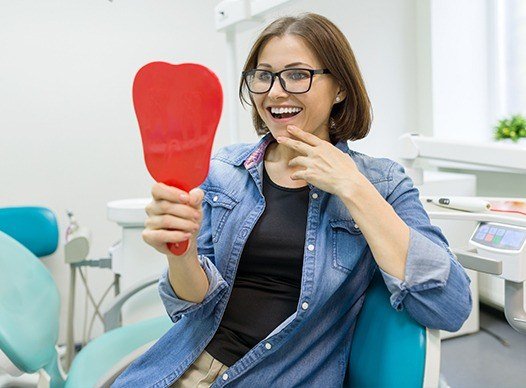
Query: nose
277	90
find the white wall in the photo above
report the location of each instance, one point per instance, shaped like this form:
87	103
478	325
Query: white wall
461	67
68	134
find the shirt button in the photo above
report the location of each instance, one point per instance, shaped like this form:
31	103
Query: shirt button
215	198
356	226
310	247
225	376
304	305
268	346
315	195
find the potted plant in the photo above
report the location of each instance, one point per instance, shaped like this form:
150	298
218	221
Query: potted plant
513	129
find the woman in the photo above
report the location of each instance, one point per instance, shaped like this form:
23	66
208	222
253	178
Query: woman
291	231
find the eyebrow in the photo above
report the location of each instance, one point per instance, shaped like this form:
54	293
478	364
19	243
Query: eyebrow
287	66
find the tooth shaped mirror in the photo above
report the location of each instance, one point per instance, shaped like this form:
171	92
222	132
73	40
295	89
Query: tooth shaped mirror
178	108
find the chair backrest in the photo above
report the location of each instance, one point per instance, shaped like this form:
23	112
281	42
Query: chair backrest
29	308
34	227
389	347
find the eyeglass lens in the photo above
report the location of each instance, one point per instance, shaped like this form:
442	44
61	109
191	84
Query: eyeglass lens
293	80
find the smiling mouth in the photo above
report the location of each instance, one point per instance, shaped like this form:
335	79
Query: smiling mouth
284	113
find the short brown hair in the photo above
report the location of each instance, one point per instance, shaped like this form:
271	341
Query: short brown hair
352	117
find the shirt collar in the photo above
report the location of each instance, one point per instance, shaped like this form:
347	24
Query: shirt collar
255	154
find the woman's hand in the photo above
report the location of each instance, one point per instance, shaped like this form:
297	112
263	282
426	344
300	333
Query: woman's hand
325	166
173	216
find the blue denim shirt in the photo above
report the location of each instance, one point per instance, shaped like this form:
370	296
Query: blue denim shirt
312	346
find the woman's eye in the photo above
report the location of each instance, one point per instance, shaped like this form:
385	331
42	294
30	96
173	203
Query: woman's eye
298	75
263	76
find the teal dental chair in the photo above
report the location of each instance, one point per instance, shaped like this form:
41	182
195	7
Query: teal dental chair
30	308
389	350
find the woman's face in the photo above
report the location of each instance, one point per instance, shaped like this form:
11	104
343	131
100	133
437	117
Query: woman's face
291	51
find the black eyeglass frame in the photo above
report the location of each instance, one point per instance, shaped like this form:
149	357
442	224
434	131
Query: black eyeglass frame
281	80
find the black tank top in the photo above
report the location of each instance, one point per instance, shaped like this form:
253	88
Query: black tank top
268	279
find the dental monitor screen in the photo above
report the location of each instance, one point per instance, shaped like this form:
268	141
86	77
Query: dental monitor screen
500	236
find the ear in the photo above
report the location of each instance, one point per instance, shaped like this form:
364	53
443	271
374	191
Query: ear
340	96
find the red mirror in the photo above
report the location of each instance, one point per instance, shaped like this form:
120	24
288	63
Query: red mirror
178	108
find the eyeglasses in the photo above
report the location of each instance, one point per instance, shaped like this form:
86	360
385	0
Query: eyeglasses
295	80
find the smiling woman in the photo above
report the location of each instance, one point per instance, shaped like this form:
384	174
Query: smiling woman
310	45
293	230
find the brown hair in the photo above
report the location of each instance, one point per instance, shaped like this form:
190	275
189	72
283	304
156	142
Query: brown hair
352	117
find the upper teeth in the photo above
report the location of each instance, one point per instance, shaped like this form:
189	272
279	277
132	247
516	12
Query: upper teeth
284	110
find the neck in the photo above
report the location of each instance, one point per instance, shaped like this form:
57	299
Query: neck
278	153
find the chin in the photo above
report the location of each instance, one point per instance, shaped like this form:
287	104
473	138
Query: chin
280	132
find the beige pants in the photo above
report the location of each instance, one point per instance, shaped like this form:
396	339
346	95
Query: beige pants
202	373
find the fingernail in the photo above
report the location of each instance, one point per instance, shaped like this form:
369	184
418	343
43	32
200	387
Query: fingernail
184	197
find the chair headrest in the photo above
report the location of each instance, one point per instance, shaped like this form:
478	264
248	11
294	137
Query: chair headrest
34	227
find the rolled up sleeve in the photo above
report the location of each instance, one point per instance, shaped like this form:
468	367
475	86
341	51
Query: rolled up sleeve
435	290
176	307
426	268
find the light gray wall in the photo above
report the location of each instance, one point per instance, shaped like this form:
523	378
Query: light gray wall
68	134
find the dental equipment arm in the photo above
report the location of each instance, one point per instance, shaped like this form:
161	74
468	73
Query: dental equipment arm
513	291
112	317
514	305
468	155
507	264
470	260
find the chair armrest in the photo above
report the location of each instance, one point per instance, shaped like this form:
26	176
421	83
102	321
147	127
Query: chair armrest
432	362
110	376
112	317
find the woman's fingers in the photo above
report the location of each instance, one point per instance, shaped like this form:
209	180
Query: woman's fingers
159	238
173	216
196	197
170	222
175	209
160	191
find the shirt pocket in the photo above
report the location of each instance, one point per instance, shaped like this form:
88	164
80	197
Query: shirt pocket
348	244
221	205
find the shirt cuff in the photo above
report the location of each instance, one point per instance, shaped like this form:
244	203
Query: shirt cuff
427	267
176	307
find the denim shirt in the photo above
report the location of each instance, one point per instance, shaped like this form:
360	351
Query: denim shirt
312	346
